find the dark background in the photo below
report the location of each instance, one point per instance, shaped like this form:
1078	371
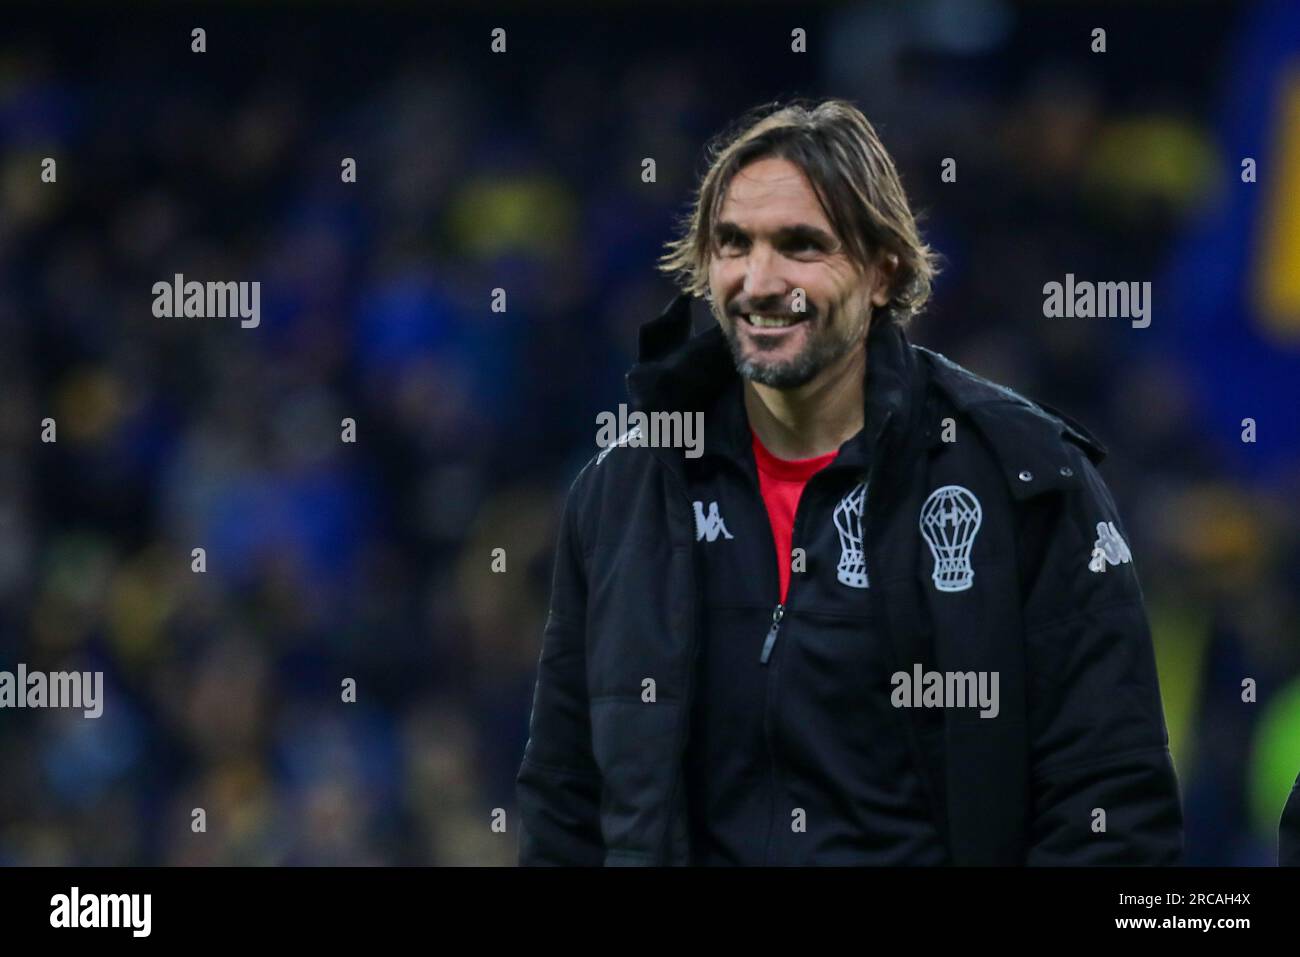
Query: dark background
522	171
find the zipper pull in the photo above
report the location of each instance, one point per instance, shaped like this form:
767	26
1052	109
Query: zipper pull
777	612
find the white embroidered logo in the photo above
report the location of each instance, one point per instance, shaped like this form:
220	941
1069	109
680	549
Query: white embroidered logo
950	518
852	569
709	527
1109	547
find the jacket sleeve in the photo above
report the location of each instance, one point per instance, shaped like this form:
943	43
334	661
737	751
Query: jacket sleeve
1103	788
558	785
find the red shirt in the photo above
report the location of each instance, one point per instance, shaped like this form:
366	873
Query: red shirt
781	482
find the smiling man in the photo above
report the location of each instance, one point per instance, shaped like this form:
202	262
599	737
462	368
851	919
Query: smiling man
726	631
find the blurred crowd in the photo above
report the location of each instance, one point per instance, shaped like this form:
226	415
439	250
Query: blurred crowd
372	560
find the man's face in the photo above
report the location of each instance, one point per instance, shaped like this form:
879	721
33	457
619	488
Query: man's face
770	239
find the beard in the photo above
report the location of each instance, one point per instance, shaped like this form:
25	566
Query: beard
824	346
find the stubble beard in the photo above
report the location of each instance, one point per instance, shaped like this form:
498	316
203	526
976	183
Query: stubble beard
825	347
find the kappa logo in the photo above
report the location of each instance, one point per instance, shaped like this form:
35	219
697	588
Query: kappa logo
1110	548
711	525
852	569
950	519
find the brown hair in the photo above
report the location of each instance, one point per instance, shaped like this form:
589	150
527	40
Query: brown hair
852	175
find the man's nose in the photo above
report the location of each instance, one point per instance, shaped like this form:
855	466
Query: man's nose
762	274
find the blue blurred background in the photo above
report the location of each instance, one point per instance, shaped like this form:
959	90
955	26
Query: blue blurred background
372	560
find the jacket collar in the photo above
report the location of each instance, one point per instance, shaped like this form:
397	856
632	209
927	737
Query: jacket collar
678	371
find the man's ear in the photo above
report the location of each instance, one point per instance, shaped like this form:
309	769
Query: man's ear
885	268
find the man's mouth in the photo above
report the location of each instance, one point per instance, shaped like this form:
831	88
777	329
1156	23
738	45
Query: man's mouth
765	321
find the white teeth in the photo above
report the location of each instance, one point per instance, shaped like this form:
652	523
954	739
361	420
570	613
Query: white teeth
769	322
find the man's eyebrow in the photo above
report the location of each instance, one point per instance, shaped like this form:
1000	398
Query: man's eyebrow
799	232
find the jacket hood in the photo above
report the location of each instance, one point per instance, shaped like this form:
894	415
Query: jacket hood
681	371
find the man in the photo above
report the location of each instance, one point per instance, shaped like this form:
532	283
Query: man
889	614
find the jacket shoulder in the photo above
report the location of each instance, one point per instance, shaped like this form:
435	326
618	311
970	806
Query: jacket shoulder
619	462
1038	447
615	481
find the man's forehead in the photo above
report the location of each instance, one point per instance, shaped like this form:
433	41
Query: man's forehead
771	194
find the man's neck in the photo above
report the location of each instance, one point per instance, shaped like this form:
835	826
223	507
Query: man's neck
815	418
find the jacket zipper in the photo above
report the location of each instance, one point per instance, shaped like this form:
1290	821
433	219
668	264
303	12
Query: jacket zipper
777	613
769	643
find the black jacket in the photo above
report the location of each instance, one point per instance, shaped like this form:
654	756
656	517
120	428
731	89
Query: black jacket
1081	730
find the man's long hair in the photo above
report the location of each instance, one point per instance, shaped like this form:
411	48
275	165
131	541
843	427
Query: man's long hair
853	177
